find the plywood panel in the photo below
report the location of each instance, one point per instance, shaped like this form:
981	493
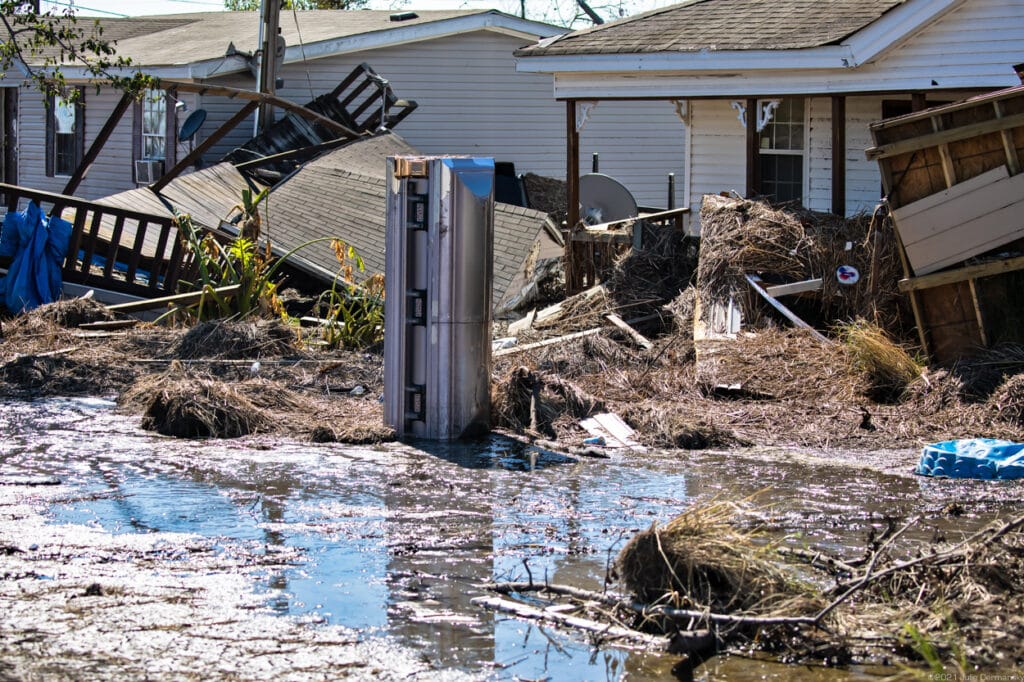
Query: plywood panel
962	221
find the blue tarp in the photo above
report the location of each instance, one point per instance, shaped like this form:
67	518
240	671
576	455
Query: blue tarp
37	244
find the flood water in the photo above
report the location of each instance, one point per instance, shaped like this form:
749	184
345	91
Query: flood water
396	540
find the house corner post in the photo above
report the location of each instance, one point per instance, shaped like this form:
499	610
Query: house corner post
753	150
839	155
572	190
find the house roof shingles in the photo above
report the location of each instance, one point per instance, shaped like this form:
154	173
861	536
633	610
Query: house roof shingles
357	212
341	194
179	39
718	25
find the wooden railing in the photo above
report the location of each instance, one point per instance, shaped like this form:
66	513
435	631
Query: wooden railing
113	248
589	249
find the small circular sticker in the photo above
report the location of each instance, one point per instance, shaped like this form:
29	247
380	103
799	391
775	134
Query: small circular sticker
847	274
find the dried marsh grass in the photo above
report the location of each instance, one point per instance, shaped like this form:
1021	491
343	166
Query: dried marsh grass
701	559
238	340
183	406
740	237
889	368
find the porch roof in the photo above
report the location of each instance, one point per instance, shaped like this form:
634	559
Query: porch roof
719	25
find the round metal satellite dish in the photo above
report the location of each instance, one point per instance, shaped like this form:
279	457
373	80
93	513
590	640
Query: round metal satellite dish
604	199
192	124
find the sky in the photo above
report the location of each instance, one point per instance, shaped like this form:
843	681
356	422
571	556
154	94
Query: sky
115	8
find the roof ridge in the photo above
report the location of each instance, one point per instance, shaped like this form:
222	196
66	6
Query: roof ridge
625	20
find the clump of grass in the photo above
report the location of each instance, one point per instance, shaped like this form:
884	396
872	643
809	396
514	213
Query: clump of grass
700	559
1008	400
183	406
888	367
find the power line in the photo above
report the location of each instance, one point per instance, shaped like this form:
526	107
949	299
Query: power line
121	15
89	9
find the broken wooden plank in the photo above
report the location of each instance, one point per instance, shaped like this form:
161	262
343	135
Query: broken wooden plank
555	310
605	630
637	337
947	136
567	337
962	274
615	432
548	342
965	220
521	325
109	324
755	283
794	288
176	299
261	98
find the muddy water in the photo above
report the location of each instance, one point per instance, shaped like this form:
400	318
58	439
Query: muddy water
393	542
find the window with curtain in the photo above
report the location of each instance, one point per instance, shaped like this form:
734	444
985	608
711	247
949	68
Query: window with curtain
65	135
154	126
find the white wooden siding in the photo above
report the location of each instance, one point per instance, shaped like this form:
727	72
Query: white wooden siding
472	101
111	172
718	154
981	37
639	144
220	109
819	154
863	178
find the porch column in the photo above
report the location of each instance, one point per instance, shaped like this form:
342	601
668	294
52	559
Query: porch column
839	155
753	151
572	190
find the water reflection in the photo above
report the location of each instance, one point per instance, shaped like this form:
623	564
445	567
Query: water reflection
397	540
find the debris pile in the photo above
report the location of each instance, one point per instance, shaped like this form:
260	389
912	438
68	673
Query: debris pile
216	379
701	585
742	237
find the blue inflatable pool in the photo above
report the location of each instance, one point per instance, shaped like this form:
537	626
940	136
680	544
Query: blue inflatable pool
986	458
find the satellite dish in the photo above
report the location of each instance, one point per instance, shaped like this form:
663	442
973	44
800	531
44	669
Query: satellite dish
603	199
192	124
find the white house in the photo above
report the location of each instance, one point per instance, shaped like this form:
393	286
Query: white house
457	65
809	74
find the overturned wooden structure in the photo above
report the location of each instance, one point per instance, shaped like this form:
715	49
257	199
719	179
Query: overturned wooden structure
112	248
129	243
952	175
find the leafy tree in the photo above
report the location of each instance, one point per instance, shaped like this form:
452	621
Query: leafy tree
43	42
250	5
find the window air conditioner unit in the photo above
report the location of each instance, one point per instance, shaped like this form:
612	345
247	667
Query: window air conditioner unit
148	171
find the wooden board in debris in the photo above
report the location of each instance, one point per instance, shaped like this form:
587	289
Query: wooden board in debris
616	433
968	219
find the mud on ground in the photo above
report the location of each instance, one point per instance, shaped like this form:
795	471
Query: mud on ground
222	379
773	387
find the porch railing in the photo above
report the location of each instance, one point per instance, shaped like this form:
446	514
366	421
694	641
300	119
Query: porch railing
592	249
112	248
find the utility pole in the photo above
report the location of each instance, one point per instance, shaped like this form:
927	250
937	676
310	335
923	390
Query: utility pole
268	60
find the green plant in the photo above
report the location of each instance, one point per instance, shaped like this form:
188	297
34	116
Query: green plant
931	650
354	312
238	264
249	210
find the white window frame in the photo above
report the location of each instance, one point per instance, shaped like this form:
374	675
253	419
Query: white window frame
805	142
154	101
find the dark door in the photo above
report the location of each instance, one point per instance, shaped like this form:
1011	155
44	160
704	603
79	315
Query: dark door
9	135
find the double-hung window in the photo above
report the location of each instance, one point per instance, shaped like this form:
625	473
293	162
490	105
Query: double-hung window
154	126
154	136
781	151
